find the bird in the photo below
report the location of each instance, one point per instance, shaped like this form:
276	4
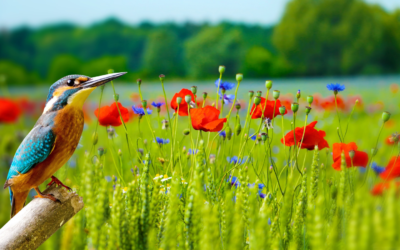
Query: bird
53	139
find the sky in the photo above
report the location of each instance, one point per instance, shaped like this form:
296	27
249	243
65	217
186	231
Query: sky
15	13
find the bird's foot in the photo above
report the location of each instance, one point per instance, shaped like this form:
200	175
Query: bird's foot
58	183
47	196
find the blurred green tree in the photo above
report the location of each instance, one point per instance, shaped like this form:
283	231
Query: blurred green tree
64	65
257	62
335	37
14	74
100	66
211	47
162	54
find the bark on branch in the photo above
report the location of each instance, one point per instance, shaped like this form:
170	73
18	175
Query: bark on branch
37	221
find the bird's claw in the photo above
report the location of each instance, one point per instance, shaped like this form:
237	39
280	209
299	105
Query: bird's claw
48	196
58	183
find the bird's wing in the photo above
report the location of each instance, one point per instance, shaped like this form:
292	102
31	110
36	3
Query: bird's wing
34	149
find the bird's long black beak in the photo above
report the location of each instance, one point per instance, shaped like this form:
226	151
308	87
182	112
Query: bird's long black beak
100	80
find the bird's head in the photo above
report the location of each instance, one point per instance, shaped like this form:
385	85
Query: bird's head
73	90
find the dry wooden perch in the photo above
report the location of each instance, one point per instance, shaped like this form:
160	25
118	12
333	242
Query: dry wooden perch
37	221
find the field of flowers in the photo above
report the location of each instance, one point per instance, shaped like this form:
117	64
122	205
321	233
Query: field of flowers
228	169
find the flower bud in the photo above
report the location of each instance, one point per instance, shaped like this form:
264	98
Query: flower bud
276	94
352	153
385	116
188	98
308	110
238	106
205	95
238	128
186	131
162	77
259	137
144	104
179	100
268	84
119	152
116	97
221	69
298	95
374	151
139	82
310	99
145	142
239	77
257	100
259	93
100	151
295	107
194	89
228	132
95	138
251	93
164	124
264	136
282	110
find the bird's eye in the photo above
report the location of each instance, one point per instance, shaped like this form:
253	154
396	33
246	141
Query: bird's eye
71	82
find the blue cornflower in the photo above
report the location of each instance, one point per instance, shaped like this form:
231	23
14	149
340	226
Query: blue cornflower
162	141
377	169
235	160
234	181
222	134
262	195
227	98
192	151
157	104
224	85
140	111
254	137
261	186
335	87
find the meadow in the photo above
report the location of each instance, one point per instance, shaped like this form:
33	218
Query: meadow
158	178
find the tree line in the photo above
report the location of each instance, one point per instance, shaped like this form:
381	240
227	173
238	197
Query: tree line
313	38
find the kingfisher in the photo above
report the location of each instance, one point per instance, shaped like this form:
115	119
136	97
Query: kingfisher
53	139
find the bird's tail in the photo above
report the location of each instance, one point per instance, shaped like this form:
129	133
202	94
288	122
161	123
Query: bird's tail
17	201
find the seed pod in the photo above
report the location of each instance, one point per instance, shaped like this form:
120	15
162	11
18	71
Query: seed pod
188	98
268	84
257	100
251	93
295	107
194	89
276	94
139	82
385	116
282	110
239	77
310	99
162	77
228	132
259	93
179	100
221	69
205	95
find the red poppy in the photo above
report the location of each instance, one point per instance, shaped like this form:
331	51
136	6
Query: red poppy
109	115
27	107
311	137
206	119
9	111
360	158
183	107
392	170
329	103
392	139
380	187
268	108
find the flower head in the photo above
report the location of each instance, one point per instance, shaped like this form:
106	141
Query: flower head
224	85
360	158
392	170
234	181
268	108
308	140
183	106
206	119
335	87
236	160
222	134
227	98
379	188
157	104
140	111
109	115
393	138
377	169
193	151
162	141
9	111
